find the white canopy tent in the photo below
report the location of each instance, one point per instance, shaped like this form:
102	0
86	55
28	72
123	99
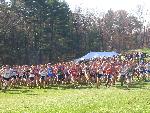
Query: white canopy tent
92	55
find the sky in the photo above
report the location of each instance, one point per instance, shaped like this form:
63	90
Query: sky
105	5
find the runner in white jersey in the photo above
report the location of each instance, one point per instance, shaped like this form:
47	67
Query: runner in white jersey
14	76
43	73
7	73
6	77
123	72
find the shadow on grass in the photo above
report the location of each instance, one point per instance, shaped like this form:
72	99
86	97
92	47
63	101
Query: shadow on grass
18	91
14	92
69	86
22	90
31	94
26	91
134	85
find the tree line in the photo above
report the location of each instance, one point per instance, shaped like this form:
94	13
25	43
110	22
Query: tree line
41	31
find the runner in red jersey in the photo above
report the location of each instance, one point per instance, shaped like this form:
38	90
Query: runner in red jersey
37	75
114	75
73	73
67	74
109	75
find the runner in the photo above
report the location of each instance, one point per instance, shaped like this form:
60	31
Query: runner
123	74
6	73
60	75
43	73
109	75
99	76
14	76
37	76
50	77
1	72
148	70
31	77
129	75
67	75
93	75
20	76
74	74
142	71
87	74
26	75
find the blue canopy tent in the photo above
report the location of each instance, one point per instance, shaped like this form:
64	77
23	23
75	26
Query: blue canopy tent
92	55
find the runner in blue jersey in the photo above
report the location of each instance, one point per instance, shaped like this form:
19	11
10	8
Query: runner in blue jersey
50	71
50	74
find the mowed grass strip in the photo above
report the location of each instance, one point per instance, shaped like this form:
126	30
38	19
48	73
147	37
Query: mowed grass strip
80	100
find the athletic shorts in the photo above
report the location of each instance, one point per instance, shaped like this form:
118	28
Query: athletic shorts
92	75
109	76
67	74
74	75
50	75
123	76
25	76
82	74
129	77
37	75
42	77
31	78
14	77
99	75
142	72
105	75
60	77
7	79
20	77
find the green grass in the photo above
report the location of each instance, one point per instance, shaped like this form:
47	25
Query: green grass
146	50
81	100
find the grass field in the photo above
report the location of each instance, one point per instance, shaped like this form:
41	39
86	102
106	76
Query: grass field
146	50
85	99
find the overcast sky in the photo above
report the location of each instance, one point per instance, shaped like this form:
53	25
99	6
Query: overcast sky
105	5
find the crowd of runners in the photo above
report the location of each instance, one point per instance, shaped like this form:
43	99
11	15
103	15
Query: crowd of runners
99	71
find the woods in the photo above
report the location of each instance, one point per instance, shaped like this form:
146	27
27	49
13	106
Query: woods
41	31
